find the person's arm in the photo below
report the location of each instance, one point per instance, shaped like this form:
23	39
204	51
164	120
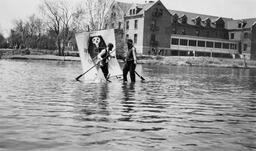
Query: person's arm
134	55
101	53
112	53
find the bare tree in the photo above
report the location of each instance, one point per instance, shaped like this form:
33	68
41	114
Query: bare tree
36	26
61	18
96	10
80	19
20	33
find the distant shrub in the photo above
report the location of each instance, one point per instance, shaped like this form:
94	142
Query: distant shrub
159	58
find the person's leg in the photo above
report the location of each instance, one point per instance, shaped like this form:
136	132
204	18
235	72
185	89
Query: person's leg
104	70
125	71
132	72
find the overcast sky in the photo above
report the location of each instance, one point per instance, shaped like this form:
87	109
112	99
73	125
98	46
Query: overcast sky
11	10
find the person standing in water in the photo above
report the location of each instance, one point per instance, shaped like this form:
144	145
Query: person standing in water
104	57
130	62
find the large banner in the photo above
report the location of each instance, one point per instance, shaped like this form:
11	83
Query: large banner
93	74
89	45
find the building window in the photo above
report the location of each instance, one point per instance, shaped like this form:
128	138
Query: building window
246	35
232	36
175	18
225	45
197	32
153	37
133	11
153	41
209	44
153	25
130	11
192	43
183	32
184	19
183	42
208	22
174	31
217	45
198	21
127	36
220	23
119	25
135	38
245	47
135	24
240	25
127	24
233	46
175	41
201	43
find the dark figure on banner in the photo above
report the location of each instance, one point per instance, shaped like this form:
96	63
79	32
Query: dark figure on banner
104	57
130	61
96	44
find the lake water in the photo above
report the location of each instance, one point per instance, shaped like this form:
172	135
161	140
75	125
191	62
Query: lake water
177	108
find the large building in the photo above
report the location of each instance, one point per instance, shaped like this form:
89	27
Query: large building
157	30
243	31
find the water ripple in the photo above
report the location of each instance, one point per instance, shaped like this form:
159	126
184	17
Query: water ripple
42	107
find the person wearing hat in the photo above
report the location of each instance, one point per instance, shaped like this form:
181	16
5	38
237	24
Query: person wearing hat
130	61
104	57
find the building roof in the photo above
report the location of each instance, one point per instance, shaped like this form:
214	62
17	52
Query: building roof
192	16
142	7
241	23
145	7
249	22
124	6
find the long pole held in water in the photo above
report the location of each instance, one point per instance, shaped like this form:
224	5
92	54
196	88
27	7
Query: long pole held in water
141	77
77	78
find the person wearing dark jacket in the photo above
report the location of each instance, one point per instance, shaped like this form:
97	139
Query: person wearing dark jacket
130	61
104	57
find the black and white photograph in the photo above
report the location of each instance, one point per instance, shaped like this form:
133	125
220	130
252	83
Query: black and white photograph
118	75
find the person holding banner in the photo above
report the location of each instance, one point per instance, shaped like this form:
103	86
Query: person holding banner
130	61
104	56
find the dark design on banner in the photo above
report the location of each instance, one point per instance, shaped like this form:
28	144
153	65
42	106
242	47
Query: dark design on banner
96	44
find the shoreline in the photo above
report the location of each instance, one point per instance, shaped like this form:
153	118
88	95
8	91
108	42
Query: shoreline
42	57
157	60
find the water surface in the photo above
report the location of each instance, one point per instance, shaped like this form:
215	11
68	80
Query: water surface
42	108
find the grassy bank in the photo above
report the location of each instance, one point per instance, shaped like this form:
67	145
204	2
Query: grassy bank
43	57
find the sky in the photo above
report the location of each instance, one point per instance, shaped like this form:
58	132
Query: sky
11	10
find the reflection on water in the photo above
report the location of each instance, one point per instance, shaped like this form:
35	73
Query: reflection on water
42	107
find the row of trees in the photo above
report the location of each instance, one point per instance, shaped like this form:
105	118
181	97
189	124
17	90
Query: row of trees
57	24
31	34
3	42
